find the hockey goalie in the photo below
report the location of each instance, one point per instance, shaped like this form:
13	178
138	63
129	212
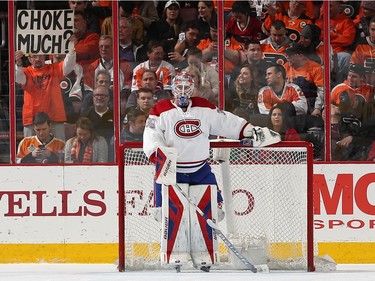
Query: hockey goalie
176	139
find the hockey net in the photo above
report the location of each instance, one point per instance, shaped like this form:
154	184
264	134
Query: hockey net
267	199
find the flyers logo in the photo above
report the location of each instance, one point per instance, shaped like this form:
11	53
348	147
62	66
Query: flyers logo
275	58
188	128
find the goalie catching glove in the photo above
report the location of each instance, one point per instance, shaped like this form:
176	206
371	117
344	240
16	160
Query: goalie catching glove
259	136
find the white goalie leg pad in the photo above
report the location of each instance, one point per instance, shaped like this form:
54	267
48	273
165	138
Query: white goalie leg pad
175	242
204	241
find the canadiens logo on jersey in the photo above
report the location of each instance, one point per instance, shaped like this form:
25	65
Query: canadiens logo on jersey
188	128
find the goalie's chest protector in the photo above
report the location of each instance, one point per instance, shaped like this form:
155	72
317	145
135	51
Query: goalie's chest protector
189	131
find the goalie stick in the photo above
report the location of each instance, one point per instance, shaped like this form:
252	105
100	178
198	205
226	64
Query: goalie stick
219	233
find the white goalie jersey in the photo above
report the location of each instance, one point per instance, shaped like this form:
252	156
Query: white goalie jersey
168	125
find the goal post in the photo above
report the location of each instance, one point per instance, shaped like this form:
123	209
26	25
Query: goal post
269	212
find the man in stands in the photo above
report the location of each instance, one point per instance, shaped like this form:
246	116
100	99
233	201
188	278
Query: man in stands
105	62
41	85
163	69
86	42
274	46
100	114
93	14
308	75
42	148
294	18
364	53
342	34
149	81
278	90
136	122
129	51
189	37
350	101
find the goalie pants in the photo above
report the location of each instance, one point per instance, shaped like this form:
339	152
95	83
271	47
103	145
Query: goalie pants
203	176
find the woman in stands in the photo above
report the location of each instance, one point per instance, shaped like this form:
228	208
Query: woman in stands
201	88
244	91
86	146
206	13
167	29
279	120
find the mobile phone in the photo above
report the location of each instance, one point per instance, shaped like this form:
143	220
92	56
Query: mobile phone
181	36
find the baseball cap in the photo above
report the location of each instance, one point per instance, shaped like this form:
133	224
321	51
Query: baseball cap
357	68
296	49
171	2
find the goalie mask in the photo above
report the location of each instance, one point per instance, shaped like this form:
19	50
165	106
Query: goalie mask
182	88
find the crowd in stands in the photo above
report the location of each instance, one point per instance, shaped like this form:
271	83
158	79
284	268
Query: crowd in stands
274	70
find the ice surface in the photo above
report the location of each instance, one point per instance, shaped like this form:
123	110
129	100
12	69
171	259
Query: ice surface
103	272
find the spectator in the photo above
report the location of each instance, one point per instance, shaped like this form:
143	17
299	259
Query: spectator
242	27
149	81
137	28
136	120
363	54
103	78
342	35
209	76
311	43
348	143
188	38
351	95
41	85
363	24
86	42
42	148
126	10
311	8
93	14
105	62
163	69
278	90
274	46
145	11
206	14
294	19
308	75
86	146
232	54
145	102
200	89
209	45
129	51
244	91
349	102
133	130
280	121
71	89
253	57
168	28
100	115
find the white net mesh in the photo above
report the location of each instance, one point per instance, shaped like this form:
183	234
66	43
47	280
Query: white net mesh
266	218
